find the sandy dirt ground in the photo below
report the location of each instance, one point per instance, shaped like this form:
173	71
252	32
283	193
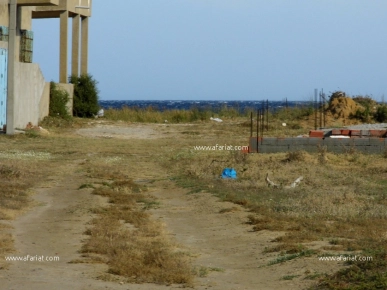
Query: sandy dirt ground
222	243
50	236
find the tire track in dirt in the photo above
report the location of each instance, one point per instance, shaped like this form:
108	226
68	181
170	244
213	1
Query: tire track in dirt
220	244
54	228
223	243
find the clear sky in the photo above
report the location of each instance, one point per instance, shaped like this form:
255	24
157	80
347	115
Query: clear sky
228	49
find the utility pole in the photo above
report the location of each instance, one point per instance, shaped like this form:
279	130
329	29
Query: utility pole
11	67
315	108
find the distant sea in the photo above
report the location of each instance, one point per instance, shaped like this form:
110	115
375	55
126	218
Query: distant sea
213	105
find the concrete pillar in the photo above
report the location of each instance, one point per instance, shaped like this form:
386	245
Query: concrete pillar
63	50
4	14
85	45
11	67
26	18
75	47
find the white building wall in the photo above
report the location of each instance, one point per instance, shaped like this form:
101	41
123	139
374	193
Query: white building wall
30	95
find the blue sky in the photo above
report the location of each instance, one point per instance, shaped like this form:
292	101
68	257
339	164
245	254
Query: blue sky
229	49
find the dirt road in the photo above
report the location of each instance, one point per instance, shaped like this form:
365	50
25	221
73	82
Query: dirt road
50	236
224	250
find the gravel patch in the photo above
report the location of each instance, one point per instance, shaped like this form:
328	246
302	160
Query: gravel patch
121	132
378	126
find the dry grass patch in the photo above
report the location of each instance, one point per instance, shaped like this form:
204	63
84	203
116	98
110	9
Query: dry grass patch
6	245
151	115
341	198
141	252
229	209
17	177
286	248
25	162
18	173
296	156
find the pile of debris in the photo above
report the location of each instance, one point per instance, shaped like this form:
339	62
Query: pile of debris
341	106
38	129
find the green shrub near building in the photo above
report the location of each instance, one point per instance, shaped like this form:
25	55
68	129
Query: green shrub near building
58	102
85	99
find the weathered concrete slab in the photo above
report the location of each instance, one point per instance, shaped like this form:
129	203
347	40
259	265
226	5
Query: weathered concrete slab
312	145
269	141
361	141
376	141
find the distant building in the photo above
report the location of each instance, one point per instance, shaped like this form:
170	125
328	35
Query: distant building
28	99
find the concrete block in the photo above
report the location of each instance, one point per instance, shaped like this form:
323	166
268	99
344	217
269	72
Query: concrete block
328	141
316	133
345	132
335	149
284	141
361	141
337	142
253	144
262	149
365	133
257	144
334	145
269	141
376	141
377	133
355	132
343	141
272	149
336	132
303	141
315	141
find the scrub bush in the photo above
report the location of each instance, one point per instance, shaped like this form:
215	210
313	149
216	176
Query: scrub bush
58	102
85	95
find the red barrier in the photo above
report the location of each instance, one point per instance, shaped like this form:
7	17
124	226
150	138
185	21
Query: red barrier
316	134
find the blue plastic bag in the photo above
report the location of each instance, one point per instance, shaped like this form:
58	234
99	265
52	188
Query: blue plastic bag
229	173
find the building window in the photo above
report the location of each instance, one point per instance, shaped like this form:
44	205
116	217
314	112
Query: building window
26	45
3	33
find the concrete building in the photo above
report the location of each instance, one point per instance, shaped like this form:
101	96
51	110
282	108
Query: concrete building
24	93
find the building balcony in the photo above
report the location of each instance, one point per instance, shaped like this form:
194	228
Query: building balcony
74	7
38	2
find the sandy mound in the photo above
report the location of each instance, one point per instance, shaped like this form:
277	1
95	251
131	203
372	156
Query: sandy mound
343	107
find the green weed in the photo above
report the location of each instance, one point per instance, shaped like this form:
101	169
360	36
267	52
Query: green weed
284	258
